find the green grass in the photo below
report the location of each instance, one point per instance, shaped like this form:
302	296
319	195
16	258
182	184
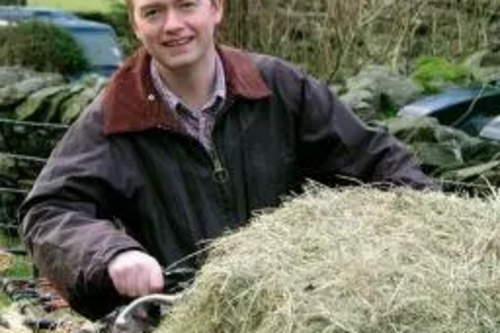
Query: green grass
4	301
74	5
21	266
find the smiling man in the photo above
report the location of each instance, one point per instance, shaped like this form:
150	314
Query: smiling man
189	138
179	36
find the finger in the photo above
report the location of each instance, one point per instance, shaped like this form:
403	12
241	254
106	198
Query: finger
129	286
156	282
142	282
119	275
119	281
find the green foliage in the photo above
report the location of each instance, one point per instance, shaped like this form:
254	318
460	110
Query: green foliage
97	16
73	5
436	73
42	47
13	2
387	107
4	301
117	17
21	267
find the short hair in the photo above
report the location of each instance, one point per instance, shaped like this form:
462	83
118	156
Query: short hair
130	9
129	5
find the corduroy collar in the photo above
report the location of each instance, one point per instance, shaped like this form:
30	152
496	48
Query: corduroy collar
131	103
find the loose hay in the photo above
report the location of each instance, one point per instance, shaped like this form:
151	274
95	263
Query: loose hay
356	260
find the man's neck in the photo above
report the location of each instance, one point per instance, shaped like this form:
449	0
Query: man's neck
193	86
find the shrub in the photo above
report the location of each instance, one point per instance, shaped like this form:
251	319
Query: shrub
117	17
435	73
13	2
42	47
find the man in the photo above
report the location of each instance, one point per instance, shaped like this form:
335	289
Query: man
188	139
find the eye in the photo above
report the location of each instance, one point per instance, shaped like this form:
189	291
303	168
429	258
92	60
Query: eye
188	4
150	13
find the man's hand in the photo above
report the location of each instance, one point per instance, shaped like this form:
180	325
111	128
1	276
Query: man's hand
135	273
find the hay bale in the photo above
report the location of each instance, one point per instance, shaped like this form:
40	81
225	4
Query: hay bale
355	260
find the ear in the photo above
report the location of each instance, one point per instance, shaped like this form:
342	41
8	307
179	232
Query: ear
134	27
137	35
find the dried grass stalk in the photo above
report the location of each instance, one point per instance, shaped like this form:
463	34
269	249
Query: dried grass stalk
355	260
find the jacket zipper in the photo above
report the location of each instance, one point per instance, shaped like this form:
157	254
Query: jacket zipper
220	173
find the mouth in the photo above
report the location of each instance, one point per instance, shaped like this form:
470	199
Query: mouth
177	42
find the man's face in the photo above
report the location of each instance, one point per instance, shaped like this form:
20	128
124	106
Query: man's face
177	33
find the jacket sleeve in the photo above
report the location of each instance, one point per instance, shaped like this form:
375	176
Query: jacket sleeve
67	224
336	147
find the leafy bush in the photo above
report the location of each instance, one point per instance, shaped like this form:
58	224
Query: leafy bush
42	47
436	73
13	2
117	17
120	20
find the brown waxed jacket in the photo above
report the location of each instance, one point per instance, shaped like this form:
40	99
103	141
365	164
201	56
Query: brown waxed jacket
127	162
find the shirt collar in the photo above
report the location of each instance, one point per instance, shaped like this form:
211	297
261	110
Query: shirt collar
218	89
131	103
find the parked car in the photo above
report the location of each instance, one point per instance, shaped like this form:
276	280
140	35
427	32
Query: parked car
98	40
476	111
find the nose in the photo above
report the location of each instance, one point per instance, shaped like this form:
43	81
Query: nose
173	21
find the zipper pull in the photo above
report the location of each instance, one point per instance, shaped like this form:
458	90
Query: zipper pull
220	173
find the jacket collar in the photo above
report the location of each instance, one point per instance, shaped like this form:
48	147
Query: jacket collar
131	103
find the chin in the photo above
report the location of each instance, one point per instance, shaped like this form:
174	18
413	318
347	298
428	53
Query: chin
179	62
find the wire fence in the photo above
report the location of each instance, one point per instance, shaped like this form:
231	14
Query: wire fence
24	149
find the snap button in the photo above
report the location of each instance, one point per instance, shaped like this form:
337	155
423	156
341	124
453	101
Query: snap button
151	97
